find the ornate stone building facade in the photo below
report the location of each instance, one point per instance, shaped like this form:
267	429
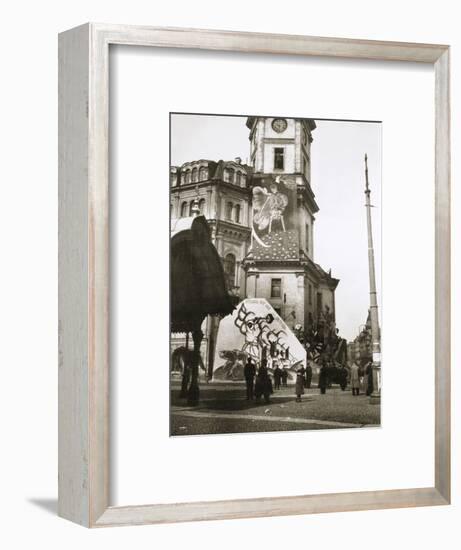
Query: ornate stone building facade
262	218
222	190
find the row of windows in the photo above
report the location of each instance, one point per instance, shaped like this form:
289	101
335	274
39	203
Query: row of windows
234	176
197	175
187	208
233	211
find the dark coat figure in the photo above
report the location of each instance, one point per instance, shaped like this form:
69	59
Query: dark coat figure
342	377
299	388
284	377
323	378
277	377
308	375
249	372
330	373
263	386
369	374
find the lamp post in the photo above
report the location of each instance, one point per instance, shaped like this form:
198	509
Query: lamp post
375	397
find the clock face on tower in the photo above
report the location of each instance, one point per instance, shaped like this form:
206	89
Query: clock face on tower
279	125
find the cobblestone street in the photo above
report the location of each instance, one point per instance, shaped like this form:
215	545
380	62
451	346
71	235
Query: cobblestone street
224	408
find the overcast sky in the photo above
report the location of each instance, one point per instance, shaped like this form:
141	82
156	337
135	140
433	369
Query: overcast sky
338	182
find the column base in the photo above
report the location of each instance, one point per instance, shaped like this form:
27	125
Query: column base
375	399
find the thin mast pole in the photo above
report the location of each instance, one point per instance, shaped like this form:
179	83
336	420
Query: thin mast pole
375	332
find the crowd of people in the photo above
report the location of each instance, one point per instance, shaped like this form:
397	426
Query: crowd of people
262	382
259	381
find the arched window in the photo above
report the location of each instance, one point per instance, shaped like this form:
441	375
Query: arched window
187	177
201	205
183	178
230	175
244	181
184	209
238	178
191	208
229	270
237	213
229	209
203	174
194	175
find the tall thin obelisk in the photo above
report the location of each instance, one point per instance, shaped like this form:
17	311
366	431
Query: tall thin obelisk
375	333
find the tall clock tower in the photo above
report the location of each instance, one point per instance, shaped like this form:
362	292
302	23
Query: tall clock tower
282	147
280	265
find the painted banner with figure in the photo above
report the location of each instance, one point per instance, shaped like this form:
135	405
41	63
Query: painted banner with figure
274	231
255	330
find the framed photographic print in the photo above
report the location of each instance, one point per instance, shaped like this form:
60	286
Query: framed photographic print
254	288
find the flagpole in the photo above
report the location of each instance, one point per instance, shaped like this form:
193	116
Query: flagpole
375	332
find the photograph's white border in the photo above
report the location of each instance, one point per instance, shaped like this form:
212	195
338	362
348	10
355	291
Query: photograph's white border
84	275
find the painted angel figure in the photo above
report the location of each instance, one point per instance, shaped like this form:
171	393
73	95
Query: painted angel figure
268	207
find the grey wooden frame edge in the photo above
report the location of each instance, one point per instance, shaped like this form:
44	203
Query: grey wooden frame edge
84	274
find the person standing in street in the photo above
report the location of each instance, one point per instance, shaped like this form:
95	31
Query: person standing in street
277	375
299	388
284	377
369	376
263	385
355	379
364	380
323	377
308	374
249	372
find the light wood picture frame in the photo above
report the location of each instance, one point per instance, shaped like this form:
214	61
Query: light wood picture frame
84	452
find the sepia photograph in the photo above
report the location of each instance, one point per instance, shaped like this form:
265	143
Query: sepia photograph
275	274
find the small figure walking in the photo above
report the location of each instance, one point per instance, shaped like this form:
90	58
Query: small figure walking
299	387
308	375
284	377
323	378
369	375
355	379
249	372
277	376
